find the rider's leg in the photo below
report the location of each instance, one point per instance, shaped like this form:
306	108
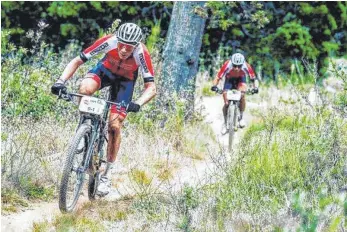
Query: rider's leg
90	84
121	92
242	86
242	104
227	85
114	136
225	107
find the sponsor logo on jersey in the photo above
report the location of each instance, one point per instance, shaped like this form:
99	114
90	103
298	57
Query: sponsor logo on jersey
116	63
98	49
143	62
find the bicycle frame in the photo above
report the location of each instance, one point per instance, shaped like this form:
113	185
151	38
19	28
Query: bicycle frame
237	104
91	132
98	124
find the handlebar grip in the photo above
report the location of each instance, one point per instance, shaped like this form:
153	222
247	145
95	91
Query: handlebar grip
65	95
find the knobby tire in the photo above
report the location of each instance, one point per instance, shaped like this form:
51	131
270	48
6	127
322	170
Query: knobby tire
231	121
83	131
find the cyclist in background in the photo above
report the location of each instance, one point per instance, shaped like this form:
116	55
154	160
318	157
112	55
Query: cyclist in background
234	71
124	56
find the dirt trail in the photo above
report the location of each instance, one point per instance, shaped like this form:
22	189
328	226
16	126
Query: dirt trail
191	172
214	117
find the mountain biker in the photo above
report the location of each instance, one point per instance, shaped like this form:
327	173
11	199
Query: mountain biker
234	71
124	55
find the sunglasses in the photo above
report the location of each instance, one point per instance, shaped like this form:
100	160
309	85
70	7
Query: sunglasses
128	47
237	66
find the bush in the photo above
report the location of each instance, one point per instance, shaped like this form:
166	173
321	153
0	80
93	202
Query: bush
28	74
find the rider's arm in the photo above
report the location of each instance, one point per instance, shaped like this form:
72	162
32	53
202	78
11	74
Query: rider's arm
223	70
249	70
143	58
148	94
101	45
71	68
216	81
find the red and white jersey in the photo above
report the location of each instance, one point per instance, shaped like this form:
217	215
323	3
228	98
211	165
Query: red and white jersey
108	45
228	71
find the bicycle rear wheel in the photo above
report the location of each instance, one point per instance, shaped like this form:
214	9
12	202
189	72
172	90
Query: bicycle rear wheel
73	174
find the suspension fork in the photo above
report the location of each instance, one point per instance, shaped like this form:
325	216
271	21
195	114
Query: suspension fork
95	126
102	136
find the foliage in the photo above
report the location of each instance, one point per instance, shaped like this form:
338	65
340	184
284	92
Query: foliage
291	38
288	30
83	21
28	75
309	217
311	29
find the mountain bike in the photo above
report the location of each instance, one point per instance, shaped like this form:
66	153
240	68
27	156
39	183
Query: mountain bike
234	97
85	154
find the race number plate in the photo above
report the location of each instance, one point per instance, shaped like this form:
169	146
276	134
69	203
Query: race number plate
234	95
92	105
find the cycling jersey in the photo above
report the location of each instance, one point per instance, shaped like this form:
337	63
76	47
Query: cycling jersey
228	71
117	73
111	61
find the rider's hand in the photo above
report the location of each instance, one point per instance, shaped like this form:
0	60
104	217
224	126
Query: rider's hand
58	88
133	107
214	88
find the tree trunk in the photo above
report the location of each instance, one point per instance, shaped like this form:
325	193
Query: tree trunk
181	51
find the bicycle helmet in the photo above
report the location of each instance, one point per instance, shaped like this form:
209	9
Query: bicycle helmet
129	33
237	59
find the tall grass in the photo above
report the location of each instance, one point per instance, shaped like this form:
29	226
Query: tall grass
291	164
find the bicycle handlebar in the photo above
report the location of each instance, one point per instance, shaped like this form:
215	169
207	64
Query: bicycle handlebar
68	97
253	91
220	91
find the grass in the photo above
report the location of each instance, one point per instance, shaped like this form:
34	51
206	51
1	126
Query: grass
112	211
12	201
41	226
36	190
68	222
90	217
165	174
288	151
141	177
196	141
165	170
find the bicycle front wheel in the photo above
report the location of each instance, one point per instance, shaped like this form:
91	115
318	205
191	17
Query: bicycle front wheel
73	174
231	121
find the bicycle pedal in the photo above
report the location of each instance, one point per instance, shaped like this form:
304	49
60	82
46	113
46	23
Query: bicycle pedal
100	194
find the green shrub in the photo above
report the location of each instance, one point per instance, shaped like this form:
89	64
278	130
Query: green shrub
28	74
38	191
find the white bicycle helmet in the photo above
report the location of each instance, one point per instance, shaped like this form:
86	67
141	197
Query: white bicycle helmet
237	59
129	33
